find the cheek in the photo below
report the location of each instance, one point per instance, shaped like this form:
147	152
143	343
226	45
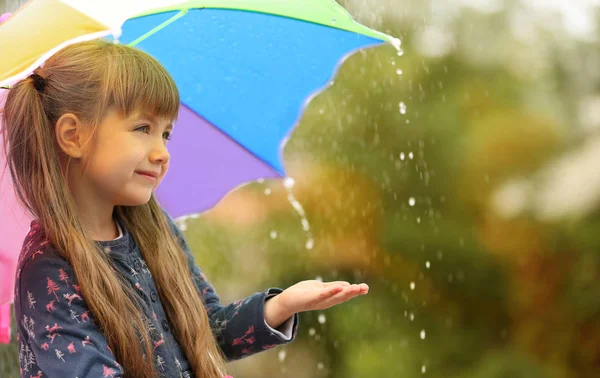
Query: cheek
164	170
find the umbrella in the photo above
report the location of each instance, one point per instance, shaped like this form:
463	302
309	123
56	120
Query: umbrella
244	69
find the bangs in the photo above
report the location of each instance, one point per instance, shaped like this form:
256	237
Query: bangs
135	80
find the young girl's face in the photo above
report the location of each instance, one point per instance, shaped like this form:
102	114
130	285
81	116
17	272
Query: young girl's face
129	158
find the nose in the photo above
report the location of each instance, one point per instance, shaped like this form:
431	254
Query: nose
160	154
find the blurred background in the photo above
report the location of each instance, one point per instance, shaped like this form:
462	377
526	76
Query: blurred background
459	178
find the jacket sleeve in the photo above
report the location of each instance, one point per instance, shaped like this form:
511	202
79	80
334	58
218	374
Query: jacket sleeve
240	327
56	334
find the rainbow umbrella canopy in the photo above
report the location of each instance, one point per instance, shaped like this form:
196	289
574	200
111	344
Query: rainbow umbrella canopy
244	69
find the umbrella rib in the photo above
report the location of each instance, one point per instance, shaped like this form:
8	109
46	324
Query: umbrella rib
158	28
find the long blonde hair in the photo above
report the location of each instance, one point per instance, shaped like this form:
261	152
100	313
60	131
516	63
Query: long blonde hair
86	79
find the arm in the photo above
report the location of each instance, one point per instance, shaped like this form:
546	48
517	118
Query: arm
57	336
241	328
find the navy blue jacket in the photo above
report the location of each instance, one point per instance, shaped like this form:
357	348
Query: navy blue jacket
57	334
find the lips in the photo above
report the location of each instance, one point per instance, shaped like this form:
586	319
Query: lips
148	173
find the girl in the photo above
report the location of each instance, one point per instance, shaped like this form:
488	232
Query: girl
105	279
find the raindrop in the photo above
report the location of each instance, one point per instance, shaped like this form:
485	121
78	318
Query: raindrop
399	71
400	52
312	331
289	182
281	355
402	107
319	278
401	155
182	225
268	191
411	201
412	286
320	366
411	316
321	111
411	155
427	264
418	219
273	234
310	243
423	369
322	319
423	334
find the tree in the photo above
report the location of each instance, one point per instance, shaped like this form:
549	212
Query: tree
63	276
52	288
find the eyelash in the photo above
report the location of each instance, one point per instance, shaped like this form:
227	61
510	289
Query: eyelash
168	137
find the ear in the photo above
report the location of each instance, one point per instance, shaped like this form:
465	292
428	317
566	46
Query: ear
71	135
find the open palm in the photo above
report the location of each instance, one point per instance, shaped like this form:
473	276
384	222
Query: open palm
316	295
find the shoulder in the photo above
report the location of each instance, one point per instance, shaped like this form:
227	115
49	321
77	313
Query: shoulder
38	252
175	230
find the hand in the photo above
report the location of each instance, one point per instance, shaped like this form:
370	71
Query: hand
308	296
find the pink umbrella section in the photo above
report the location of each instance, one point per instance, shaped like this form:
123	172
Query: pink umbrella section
5	17
14	225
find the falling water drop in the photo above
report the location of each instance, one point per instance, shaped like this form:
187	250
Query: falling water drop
268	191
412	286
273	234
411	316
289	183
320	366
310	244
322	319
319	278
411	155
401	155
399	71
423	334
411	201
312	331
281	355
402	107
427	264
423	369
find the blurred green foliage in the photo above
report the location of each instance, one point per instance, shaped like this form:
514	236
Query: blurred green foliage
407	202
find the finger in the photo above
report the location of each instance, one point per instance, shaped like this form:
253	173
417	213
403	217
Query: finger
329	292
334	283
345	295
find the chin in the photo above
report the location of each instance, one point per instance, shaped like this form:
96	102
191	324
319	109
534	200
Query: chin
136	200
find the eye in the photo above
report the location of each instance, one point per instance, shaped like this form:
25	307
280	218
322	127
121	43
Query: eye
146	129
143	127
